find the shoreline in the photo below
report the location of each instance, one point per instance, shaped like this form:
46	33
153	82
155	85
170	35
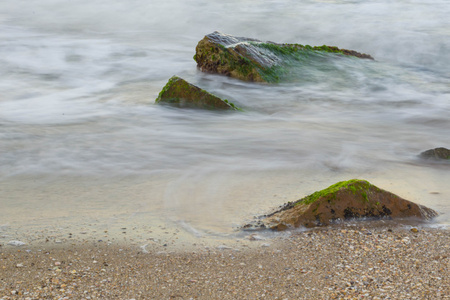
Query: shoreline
349	261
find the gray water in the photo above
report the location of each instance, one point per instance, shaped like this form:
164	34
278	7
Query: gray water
82	141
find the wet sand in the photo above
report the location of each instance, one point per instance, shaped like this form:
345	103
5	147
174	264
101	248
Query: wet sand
357	261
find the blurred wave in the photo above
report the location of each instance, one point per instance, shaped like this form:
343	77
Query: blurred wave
79	79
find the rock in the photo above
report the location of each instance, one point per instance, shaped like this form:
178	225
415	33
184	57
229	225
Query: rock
16	243
255	237
180	93
436	154
344	200
253	60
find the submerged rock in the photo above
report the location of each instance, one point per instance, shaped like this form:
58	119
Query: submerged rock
436	154
344	200
253	60
180	93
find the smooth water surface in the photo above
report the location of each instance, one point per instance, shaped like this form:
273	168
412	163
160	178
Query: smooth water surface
82	141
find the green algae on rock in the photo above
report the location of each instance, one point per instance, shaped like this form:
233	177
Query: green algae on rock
344	200
180	93
436	154
252	60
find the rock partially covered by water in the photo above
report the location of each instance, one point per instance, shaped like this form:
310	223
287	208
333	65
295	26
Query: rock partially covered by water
344	200
436	154
180	93
253	60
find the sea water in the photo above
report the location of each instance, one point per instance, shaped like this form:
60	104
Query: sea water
82	142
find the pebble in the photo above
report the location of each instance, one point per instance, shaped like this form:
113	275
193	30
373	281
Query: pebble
333	265
224	247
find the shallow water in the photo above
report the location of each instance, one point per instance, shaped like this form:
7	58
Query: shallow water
82	142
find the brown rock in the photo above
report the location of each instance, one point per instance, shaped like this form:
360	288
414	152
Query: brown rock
342	201
437	154
253	60
180	93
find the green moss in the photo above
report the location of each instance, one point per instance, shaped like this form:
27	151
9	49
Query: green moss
229	61
354	185
291	55
220	59
166	87
274	74
237	61
364	194
287	49
181	93
329	49
232	105
242	67
290	49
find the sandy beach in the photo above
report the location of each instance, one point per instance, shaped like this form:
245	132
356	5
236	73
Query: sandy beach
107	194
352	261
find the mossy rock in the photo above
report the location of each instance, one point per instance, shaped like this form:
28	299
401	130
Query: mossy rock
436	154
253	60
344	200
180	93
